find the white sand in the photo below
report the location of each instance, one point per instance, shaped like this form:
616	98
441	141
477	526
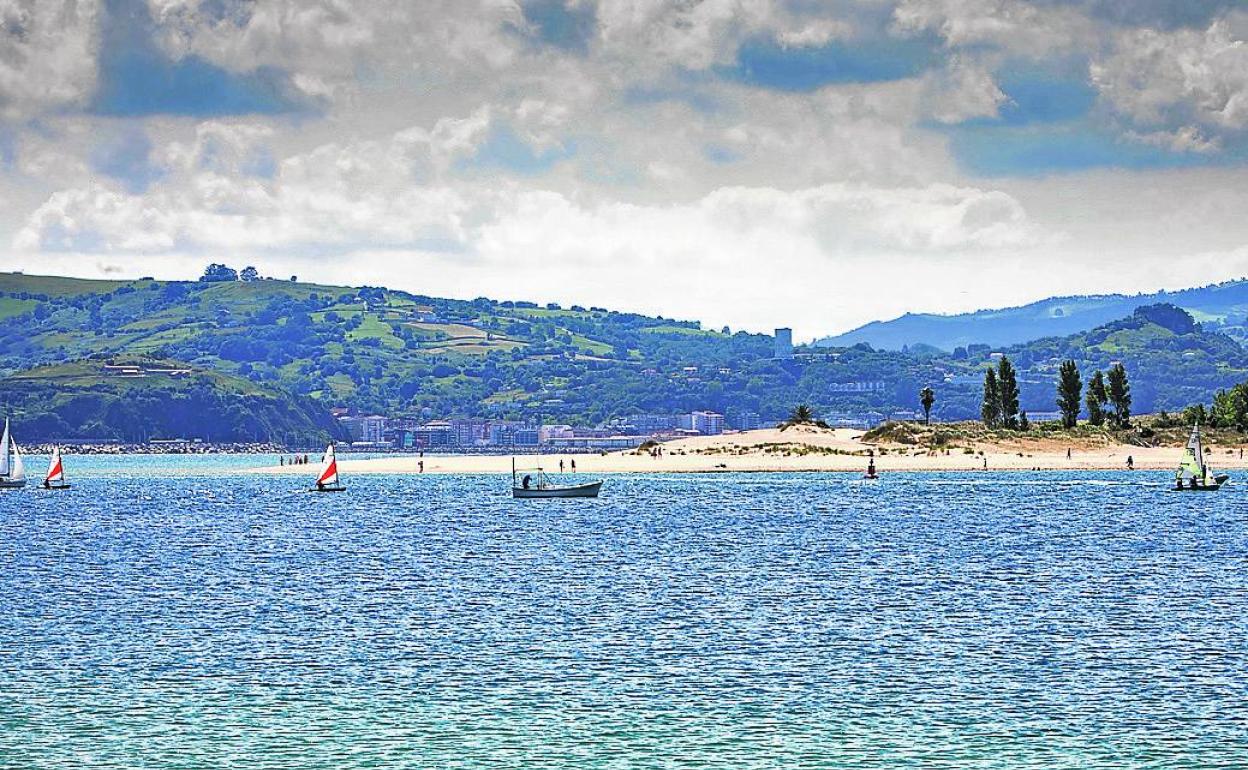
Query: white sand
796	449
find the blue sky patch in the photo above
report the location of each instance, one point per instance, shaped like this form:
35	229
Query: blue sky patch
1044	97
1029	151
558	25
506	150
138	79
768	64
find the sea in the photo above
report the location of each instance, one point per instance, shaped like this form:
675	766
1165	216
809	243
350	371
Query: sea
175	612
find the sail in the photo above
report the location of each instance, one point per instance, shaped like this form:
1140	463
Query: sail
4	450
1190	465
1194	457
329	470
17	470
56	470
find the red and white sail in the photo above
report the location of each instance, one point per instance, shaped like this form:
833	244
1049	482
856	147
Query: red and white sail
329	469
56	468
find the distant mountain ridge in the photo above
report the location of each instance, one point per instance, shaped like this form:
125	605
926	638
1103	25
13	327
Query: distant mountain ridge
1218	307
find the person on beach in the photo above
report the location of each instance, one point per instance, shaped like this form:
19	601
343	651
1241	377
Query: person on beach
561	466
422	466
1068	453
574	465
1130	463
985	462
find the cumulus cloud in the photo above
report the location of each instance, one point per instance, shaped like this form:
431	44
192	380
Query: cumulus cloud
1200	75
318	39
1016	26
1186	139
961	91
220	194
225	192
47	54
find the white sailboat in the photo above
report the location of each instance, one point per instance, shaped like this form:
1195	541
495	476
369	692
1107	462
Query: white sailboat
1194	474
328	481
534	484
56	472
12	469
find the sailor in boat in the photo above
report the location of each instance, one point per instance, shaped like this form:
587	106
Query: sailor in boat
526	481
55	477
328	480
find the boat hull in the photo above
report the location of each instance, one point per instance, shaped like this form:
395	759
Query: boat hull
54	487
578	490
11	484
328	489
1218	482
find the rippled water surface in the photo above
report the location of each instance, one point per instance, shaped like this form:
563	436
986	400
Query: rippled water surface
209	619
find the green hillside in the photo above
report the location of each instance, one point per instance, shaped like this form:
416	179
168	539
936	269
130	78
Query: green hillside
138	398
404	354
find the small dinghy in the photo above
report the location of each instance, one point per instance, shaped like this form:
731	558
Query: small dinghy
56	472
534	484
1194	474
328	481
12	469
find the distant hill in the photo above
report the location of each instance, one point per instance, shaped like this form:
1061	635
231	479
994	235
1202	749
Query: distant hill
1221	307
1173	361
136	399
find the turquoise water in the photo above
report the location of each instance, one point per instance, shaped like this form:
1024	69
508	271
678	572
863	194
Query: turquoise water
151	620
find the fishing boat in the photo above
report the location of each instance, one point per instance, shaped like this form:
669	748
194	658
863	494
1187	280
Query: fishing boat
12	469
534	484
56	472
1194	474
328	481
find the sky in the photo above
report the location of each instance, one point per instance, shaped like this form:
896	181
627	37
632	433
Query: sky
815	164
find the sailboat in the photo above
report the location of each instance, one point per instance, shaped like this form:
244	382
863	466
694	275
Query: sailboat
1194	474
56	472
328	481
12	470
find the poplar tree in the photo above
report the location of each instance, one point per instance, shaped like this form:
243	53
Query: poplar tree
1120	395
1007	382
1097	398
1069	394
990	411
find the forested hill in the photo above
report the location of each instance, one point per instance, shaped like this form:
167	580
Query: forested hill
401	354
138	399
1218	307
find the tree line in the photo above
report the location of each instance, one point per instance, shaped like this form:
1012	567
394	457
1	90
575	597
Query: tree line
1108	398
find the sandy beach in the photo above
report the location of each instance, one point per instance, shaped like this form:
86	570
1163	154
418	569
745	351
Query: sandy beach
808	449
